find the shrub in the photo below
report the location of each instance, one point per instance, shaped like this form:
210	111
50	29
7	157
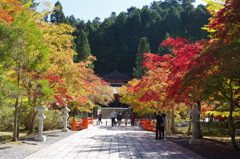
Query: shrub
6	118
54	120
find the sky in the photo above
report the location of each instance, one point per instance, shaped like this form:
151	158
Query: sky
90	9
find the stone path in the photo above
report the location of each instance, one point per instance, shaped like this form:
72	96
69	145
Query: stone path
106	142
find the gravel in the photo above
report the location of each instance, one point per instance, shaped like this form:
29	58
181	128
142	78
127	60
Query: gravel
26	146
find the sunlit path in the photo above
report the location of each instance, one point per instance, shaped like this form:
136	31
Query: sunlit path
108	142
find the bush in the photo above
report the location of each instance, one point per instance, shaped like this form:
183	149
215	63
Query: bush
218	128
215	132
6	118
54	120
181	130
215	125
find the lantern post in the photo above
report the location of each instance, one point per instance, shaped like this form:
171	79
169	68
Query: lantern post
40	116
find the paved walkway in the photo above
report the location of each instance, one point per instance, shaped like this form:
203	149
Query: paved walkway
106	142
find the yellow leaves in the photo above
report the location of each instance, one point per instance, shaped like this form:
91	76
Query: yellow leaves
133	82
213	6
58	35
78	79
223	114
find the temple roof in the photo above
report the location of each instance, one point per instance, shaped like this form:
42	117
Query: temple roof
116	75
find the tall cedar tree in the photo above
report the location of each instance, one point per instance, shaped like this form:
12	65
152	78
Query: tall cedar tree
83	48
57	16
143	47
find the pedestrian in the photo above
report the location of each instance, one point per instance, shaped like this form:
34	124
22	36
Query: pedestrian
163	125
132	120
158	125
126	117
100	118
113	116
119	118
115	123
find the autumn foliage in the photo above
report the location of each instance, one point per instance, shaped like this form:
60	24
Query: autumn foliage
200	72
37	65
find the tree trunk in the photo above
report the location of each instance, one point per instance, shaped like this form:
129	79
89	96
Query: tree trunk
15	128
172	128
232	128
211	118
16	105
18	125
189	127
199	131
31	121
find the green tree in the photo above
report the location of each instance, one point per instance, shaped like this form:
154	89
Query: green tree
163	50
83	48
174	22
200	18
24	53
57	16
143	47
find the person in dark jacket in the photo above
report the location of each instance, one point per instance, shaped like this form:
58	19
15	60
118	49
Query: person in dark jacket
163	125
119	118
99	118
158	125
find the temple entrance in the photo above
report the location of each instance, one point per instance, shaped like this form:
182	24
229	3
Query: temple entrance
116	79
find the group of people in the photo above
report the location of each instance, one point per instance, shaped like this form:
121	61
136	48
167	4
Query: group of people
119	118
160	120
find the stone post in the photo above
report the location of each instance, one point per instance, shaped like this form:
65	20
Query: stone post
40	116
194	112
168	121
65	117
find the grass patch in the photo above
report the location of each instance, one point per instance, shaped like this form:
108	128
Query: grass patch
221	138
7	135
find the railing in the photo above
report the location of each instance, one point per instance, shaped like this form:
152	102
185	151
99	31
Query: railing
90	121
148	124
81	124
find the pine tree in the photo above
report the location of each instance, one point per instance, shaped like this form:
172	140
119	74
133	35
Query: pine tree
163	50
58	16
83	48
143	47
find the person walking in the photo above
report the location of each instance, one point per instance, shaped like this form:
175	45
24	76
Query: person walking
100	118
113	116
158	125
119	118
126	117
132	120
162	126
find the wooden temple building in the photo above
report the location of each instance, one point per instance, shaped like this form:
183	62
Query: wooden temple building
116	79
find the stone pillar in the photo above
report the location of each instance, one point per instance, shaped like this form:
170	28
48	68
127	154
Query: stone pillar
40	116
194	119
168	123
65	117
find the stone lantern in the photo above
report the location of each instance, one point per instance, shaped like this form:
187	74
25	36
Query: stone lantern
168	119
194	112
40	116
65	117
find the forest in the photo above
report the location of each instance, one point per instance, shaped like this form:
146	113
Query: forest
115	40
178	56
